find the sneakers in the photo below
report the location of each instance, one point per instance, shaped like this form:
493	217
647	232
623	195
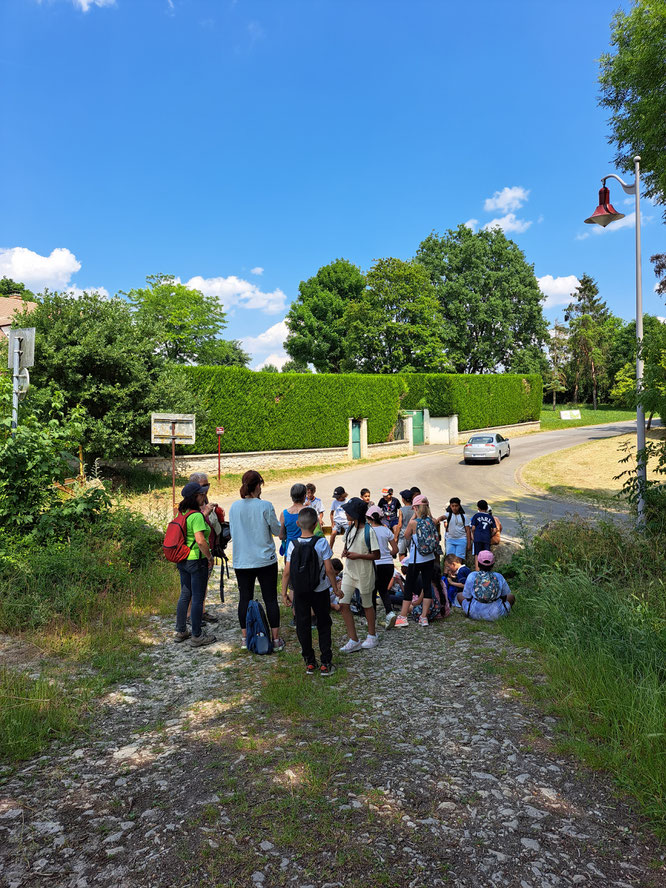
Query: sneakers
310	668
326	669
401	622
370	642
207	617
278	644
198	641
423	622
351	646
181	636
389	623
243	643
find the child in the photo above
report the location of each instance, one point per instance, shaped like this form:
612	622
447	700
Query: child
396	590
384	564
483	526
422	539
313	501
339	523
458	536
405	515
439	606
361	550
308	565
335	592
486	595
455	574
389	506
365	496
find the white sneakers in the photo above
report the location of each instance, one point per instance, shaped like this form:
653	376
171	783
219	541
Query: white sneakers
390	620
370	642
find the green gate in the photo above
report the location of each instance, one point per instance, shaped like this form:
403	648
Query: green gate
356	439
417	425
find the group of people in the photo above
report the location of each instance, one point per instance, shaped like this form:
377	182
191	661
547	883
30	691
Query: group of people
423	586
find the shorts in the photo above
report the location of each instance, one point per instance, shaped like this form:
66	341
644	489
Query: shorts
402	545
457	547
340	528
348	588
480	547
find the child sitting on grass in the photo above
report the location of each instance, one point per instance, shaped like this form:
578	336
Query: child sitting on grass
308	565
455	574
486	595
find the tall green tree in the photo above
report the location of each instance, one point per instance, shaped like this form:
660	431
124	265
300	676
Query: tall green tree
315	320
490	299
397	324
186	323
8	287
632	79
654	368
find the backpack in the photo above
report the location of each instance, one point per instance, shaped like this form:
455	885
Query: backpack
304	567
174	547
259	638
486	587
427	540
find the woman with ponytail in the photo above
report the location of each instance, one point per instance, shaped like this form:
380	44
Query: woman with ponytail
253	524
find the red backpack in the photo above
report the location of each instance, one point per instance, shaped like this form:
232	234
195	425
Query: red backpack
174	546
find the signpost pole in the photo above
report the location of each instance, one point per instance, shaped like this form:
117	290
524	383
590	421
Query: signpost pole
219	466
173	466
16	369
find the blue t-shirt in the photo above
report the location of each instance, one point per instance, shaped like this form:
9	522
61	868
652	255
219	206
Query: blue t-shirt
483	525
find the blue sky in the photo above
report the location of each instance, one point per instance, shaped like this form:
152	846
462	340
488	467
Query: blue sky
241	144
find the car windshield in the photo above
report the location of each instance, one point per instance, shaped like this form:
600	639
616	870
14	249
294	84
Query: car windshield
481	439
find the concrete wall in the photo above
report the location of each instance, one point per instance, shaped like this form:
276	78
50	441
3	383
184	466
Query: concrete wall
442	430
510	431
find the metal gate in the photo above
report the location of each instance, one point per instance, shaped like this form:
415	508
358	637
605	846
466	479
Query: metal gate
417	425
356	439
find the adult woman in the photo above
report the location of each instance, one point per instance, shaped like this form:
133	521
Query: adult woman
253	524
458	536
422	539
194	570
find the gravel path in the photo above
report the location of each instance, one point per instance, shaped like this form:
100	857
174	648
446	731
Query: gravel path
443	775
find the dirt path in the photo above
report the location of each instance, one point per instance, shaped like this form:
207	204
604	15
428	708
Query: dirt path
418	765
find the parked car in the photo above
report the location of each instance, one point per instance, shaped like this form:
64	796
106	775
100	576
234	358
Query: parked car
491	446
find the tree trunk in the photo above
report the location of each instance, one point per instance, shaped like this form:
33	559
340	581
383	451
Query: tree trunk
554	397
594	385
649	422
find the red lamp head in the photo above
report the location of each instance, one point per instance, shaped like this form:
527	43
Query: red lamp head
605	213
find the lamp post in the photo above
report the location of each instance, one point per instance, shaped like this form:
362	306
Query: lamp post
604	214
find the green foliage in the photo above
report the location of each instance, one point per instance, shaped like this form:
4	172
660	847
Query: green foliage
8	287
283	411
591	600
295	367
69	514
479	400
490	300
396	325
316	319
632	88
223	353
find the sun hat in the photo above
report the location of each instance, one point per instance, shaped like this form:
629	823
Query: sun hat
486	557
374	512
192	488
339	491
420	500
355	508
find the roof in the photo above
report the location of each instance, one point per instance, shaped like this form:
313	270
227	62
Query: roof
9	305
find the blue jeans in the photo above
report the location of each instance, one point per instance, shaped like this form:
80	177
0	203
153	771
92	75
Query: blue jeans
193	583
457	547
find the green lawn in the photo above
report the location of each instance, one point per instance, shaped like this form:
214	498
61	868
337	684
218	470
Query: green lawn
550	419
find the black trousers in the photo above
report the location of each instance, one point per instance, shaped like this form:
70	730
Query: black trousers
267	577
423	569
319	602
383	576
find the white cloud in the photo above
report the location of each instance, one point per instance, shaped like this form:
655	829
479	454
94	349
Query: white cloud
267	347
557	290
507	199
257	270
37	272
234	292
84	5
508	223
79	291
471	224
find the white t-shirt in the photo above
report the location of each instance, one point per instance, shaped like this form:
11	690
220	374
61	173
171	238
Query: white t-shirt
339	514
414	555
323	551
383	535
456	527
316	504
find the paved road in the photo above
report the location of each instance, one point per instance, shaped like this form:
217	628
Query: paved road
441	473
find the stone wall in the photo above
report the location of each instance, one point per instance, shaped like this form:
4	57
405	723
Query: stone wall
510	431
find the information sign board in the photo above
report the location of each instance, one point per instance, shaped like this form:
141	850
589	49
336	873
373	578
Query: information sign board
177	427
570	414
27	338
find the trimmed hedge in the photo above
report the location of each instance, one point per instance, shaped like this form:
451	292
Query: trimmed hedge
480	400
290	411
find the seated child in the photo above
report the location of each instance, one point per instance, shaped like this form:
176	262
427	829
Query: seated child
486	594
396	589
455	574
335	594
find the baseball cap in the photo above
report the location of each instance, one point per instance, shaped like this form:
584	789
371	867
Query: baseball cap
374	511
355	508
339	491
486	557
420	499
192	488
407	494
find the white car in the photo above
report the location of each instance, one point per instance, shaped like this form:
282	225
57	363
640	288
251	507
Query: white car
490	446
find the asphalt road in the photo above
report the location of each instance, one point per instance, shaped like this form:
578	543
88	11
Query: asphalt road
441	473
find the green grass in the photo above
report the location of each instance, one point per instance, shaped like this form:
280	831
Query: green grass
550	419
592	604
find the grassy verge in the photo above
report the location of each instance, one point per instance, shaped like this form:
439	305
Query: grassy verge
588	471
550	419
592	605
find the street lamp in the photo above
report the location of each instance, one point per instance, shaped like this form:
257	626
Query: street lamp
604	214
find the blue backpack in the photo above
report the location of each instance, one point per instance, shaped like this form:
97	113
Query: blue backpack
259	637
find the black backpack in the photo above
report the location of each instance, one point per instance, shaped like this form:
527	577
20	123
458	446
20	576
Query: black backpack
304	567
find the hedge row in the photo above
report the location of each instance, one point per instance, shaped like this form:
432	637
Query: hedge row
288	411
480	400
285	411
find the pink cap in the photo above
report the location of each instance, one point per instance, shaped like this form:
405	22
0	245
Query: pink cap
374	511
419	499
486	557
